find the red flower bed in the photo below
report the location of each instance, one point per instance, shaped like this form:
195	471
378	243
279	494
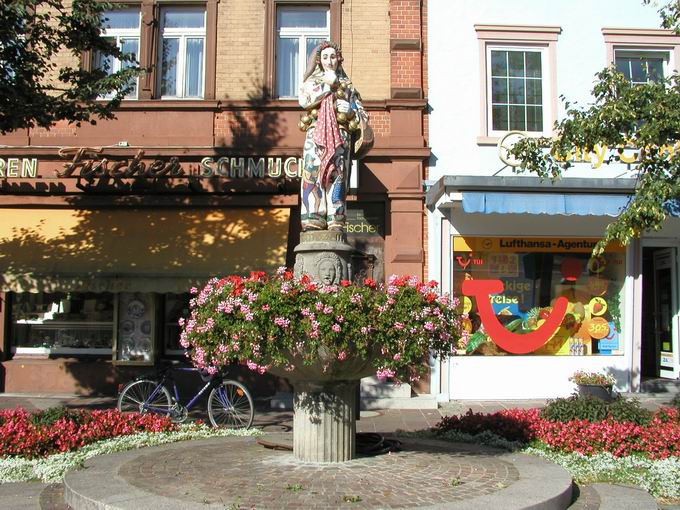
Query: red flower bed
658	440
31	435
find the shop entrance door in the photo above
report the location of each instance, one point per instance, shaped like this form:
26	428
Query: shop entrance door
660	314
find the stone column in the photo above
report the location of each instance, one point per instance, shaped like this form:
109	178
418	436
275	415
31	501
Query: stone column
325	421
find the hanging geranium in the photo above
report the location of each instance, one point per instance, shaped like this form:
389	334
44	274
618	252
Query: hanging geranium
283	321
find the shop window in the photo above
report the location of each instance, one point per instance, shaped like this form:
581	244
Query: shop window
517	90
642	66
176	307
121	27
299	31
62	323
518	80
534	272
182	52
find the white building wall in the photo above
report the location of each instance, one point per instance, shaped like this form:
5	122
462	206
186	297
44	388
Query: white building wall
455	96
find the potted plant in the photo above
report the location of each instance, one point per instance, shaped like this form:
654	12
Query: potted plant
594	384
323	339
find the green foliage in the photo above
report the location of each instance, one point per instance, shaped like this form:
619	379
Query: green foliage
575	408
594	409
34	89
50	416
629	410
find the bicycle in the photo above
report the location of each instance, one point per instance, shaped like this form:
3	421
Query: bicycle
229	403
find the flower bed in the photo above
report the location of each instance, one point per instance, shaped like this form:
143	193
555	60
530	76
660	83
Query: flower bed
659	439
28	435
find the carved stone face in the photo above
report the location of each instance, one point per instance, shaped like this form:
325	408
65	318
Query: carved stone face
329	59
327	273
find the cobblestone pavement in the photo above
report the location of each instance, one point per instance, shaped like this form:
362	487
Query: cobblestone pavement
249	476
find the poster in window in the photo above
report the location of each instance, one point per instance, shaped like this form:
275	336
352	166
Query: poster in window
535	272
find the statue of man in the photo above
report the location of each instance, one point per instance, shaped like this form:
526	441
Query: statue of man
334	113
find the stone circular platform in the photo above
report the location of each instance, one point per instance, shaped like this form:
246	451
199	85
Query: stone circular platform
238	473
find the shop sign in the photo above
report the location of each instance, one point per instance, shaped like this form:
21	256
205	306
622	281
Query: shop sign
667	359
89	163
597	157
524	244
18	168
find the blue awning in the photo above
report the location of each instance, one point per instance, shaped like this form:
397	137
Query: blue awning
568	204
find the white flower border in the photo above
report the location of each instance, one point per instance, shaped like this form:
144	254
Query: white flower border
661	478
52	469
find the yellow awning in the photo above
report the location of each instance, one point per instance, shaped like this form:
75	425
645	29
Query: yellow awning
162	250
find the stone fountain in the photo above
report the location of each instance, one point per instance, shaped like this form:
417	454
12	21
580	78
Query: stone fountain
336	126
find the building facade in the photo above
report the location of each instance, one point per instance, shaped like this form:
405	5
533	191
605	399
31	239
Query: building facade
497	74
107	226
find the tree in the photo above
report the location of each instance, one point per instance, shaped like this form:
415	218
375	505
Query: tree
645	116
34	89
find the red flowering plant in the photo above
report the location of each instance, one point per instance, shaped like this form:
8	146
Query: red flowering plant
58	430
270	321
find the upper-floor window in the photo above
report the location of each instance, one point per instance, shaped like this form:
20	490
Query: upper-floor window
518	80
642	66
182	52
121	27
517	83
299	30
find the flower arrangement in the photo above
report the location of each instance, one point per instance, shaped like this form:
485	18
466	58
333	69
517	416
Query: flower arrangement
284	321
592	378
58	430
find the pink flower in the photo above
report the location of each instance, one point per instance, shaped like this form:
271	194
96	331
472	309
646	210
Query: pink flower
251	365
429	326
396	357
282	322
249	317
193	290
385	373
342	356
336	328
266	308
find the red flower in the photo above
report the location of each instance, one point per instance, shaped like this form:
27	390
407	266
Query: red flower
370	282
345	283
257	276
305	279
288	275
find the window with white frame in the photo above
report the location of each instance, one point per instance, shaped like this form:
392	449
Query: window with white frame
182	52
300	29
642	66
121	27
518	90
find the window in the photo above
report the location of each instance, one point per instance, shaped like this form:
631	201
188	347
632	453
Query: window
517	80
517	83
176	307
62	322
299	31
182	52
642	66
121	27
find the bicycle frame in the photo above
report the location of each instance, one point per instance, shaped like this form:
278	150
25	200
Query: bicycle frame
214	381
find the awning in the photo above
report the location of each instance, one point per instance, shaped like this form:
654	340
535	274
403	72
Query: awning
138	250
584	204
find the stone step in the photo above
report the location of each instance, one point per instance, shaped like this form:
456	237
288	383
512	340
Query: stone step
606	496
661	387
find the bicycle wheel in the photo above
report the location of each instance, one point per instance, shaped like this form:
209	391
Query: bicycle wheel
142	396
230	405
